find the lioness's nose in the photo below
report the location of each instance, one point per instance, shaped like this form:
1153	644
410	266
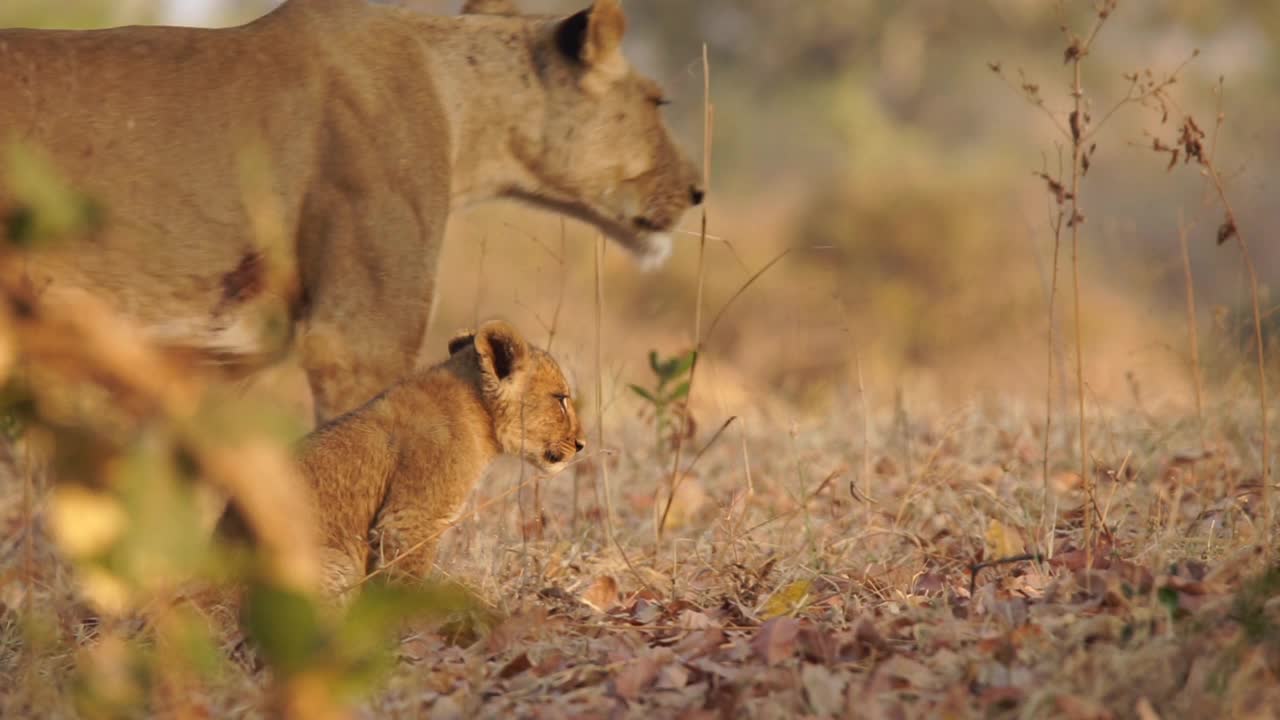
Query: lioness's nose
580	444
696	194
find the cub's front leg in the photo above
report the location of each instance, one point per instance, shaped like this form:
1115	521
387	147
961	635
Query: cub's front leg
406	539
342	570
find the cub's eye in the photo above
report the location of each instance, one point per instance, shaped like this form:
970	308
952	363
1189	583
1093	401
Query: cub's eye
564	402
660	102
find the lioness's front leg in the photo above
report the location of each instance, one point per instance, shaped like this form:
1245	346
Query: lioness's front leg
346	366
369	277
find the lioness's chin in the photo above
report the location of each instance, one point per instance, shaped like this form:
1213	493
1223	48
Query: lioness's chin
652	251
551	468
649	249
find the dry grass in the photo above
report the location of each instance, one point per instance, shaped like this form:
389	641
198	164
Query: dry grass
802	597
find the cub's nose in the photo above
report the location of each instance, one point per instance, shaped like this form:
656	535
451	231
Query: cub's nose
696	194
580	444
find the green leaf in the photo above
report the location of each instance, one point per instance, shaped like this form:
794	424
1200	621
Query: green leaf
285	626
685	364
653	363
643	393
668	371
1168	597
681	391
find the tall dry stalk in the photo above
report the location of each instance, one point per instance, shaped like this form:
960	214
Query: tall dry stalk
1076	53
603	465
1231	229
27	469
475	308
1188	146
1078	133
1047	527
708	126
1193	334
866	441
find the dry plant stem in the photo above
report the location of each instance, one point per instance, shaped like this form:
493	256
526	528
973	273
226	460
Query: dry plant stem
708	125
866	439
603	466
708	119
1216	178
475	311
675	485
28	527
551	337
735	524
1048	380
1268	533
564	271
1077	155
979	567
1193	336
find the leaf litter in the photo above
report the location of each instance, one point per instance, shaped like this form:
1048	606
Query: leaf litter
787	601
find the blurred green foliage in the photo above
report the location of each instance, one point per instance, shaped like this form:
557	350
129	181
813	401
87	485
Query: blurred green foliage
126	513
46	207
666	398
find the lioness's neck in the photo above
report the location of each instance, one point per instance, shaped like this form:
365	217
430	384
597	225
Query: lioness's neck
485	77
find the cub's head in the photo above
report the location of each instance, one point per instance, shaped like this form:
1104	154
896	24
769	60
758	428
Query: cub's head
598	148
527	395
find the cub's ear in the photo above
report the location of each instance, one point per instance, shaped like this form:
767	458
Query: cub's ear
501	349
461	340
593	37
489	7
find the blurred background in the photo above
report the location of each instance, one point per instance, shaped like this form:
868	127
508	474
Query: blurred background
873	140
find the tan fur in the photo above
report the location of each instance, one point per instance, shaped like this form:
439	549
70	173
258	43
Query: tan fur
397	471
369	124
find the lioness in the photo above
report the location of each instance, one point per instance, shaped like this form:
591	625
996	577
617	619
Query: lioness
368	125
399	469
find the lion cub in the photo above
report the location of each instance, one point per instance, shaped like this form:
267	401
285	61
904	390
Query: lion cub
391	476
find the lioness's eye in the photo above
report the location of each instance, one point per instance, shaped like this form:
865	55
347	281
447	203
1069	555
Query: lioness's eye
661	101
564	402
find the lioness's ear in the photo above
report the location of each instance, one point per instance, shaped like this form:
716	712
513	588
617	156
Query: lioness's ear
594	36
501	349
461	340
489	7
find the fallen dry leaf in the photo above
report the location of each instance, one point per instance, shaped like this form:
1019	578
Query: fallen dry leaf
776	640
787	600
699	643
515	666
819	645
867	638
645	612
1145	710
602	594
1078	708
672	676
639	674
1003	541
900	672
823	689
694	620
1003	696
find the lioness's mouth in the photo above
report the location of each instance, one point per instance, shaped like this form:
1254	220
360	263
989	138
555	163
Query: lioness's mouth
648	225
